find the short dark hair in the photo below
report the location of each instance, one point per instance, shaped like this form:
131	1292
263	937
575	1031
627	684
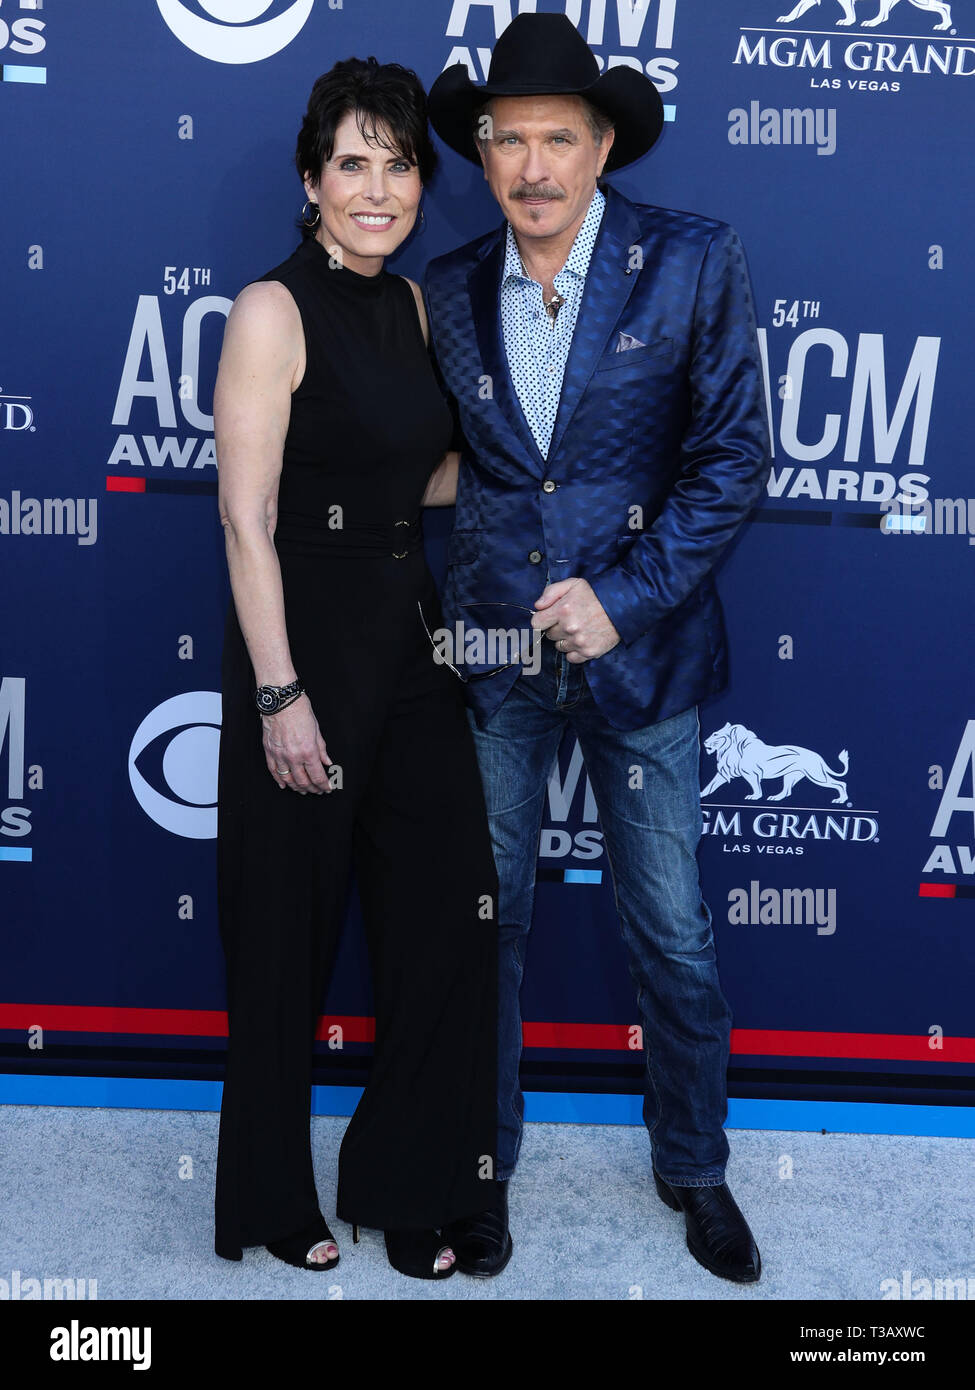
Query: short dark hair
380	94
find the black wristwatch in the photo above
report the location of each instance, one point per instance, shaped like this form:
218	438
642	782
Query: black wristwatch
270	698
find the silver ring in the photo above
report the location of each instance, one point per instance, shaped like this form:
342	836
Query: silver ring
284	771
559	644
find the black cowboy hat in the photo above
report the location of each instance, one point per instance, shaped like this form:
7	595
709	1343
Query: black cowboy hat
542	54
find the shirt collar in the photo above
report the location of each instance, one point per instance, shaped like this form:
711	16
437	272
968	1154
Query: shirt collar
578	258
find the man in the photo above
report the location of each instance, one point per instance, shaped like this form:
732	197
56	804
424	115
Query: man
604	361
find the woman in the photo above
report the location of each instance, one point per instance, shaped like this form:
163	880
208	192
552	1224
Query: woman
354	750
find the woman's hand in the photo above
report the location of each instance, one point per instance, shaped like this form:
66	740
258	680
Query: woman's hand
295	750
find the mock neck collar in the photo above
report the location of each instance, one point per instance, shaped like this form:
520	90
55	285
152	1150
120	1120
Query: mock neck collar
352	280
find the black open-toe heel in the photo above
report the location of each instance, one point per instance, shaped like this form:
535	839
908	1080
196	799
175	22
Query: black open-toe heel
415	1253
295	1250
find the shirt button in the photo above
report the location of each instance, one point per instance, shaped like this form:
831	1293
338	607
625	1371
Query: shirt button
551	368
535	556
548	485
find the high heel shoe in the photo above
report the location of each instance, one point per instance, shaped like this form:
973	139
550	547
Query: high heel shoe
416	1253
296	1249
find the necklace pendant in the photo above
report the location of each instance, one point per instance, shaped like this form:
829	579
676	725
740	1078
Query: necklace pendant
553	305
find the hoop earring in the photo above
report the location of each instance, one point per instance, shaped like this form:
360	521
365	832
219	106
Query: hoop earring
423	221
304	215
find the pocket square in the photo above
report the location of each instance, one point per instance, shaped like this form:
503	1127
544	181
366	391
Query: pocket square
626	341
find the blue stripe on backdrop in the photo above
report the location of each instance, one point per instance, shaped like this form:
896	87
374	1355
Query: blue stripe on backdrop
837	1117
12	73
583	875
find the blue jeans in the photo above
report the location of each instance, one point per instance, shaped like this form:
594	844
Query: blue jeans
651	836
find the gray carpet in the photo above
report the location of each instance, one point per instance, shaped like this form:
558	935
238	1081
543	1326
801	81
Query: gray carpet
97	1194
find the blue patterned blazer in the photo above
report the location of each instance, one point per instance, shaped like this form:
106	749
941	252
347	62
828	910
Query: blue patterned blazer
659	452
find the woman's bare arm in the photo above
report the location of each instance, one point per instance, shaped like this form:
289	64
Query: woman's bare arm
441	490
261	362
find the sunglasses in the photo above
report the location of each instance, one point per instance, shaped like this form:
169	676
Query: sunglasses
483	612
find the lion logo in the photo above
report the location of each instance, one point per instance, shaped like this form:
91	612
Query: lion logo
740	754
849	12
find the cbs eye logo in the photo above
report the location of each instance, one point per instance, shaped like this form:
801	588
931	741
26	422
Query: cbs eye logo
173	761
230	33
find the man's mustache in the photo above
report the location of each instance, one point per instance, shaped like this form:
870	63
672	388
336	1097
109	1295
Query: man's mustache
537	190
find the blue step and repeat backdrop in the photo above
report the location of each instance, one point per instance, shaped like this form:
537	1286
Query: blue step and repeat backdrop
147	176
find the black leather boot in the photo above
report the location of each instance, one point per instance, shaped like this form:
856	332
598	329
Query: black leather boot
717	1234
482	1243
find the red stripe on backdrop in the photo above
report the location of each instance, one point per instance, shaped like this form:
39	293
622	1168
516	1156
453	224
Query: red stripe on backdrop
186	1023
123	484
595	1037
936	890
891	1047
761	1042
86	1018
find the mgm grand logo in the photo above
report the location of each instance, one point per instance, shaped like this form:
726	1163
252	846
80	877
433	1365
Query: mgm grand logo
740	755
927	53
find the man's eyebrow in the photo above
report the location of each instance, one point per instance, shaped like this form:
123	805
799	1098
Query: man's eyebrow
500	132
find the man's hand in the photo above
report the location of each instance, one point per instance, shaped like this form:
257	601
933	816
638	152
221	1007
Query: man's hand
571	615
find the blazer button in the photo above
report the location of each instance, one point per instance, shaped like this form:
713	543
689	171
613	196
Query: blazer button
548	485
535	556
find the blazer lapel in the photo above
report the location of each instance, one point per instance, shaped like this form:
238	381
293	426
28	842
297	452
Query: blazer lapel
604	297
484	285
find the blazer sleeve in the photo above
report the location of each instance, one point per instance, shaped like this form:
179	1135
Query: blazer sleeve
724	455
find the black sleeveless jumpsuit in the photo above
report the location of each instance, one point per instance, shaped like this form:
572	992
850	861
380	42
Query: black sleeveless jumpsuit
368	426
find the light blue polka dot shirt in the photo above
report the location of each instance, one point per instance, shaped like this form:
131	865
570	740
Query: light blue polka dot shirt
538	350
